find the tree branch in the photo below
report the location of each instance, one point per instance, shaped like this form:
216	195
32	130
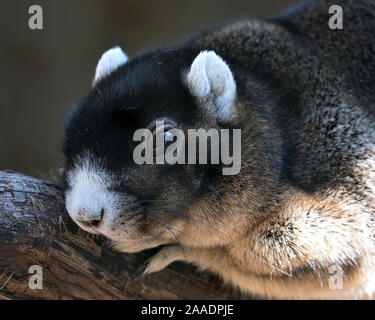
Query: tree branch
36	230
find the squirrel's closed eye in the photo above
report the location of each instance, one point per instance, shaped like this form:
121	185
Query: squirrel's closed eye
163	138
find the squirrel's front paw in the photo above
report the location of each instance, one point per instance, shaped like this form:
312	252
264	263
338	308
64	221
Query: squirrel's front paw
162	259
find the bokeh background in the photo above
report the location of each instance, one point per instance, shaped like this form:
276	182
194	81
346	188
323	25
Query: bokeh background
43	72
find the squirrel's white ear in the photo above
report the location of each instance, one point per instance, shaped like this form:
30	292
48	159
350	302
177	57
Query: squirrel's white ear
110	60
211	81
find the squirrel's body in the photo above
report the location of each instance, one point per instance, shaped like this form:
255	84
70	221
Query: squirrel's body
299	218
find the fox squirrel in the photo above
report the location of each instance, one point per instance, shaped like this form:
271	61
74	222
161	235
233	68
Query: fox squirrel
300	212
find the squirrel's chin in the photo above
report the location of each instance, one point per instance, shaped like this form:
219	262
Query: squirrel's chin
88	229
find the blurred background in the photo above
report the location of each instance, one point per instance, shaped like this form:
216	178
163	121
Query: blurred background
43	72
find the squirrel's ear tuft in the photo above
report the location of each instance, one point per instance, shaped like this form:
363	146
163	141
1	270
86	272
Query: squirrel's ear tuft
110	60
211	82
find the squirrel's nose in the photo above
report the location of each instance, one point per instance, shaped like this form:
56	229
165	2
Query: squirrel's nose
89	219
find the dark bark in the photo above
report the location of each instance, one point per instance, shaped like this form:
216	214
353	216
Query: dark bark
36	230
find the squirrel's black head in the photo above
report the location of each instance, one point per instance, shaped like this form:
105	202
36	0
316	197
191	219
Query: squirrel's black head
107	192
